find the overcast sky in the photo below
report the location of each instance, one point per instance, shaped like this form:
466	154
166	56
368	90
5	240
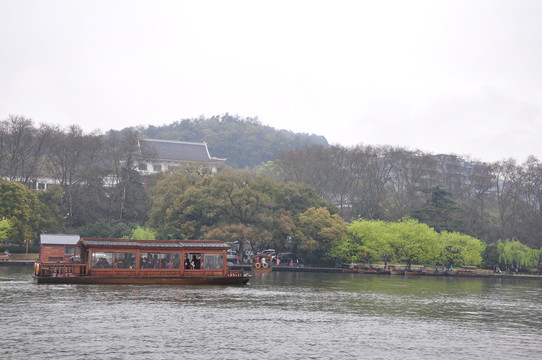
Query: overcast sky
462	77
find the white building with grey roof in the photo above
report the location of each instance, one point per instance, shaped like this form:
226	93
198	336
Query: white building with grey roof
169	155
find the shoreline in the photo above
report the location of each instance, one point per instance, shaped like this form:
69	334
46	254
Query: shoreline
247	268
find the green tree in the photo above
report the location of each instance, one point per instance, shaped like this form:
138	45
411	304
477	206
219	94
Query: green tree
51	217
6	230
100	229
257	237
143	233
416	242
439	211
514	253
403	241
461	249
167	195
318	230
19	205
366	240
231	205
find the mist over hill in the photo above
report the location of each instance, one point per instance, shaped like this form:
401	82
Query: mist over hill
244	142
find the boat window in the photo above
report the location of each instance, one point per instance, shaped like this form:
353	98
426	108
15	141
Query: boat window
69	250
159	261
124	260
113	260
193	261
214	261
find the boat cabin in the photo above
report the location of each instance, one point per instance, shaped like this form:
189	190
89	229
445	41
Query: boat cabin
58	247
118	257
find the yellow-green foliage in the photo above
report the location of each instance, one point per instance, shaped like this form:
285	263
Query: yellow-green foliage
462	249
19	205
141	233
512	252
6	230
406	240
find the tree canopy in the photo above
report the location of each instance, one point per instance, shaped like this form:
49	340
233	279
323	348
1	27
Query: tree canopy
18	204
514	253
243	206
406	241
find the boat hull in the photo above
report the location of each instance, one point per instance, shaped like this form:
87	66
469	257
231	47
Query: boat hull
150	280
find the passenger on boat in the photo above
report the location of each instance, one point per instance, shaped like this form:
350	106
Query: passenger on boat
103	263
176	262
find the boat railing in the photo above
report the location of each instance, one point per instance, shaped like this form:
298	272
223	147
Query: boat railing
60	269
235	273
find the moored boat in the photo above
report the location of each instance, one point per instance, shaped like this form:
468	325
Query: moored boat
261	263
432	271
374	270
122	261
469	272
396	270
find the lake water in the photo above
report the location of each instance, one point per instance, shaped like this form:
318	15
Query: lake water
279	315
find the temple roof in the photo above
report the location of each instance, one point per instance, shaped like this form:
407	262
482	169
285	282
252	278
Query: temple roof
181	151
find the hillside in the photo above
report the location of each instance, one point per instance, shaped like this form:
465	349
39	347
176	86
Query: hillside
245	142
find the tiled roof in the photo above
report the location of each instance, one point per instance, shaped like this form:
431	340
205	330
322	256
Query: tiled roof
147	244
107	242
181	151
59	239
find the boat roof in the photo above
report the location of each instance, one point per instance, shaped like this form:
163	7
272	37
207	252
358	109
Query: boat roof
59	239
164	244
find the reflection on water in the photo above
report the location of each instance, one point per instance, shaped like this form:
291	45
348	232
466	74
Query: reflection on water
279	315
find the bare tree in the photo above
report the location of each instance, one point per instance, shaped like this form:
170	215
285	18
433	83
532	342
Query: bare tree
124	152
374	164
22	148
507	185
72	157
310	166
531	194
409	174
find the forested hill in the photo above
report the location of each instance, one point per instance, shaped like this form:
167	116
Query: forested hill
245	142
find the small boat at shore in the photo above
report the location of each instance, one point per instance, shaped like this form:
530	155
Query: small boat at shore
470	273
261	263
432	271
374	270
124	261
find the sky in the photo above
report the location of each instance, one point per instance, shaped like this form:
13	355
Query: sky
454	77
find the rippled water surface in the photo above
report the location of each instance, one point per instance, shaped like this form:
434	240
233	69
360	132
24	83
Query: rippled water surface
278	315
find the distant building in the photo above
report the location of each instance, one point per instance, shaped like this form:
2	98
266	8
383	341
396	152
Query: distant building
57	247
170	155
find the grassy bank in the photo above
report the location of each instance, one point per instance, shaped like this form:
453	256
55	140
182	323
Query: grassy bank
31	256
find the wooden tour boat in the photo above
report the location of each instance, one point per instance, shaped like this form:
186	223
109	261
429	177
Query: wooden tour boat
122	261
